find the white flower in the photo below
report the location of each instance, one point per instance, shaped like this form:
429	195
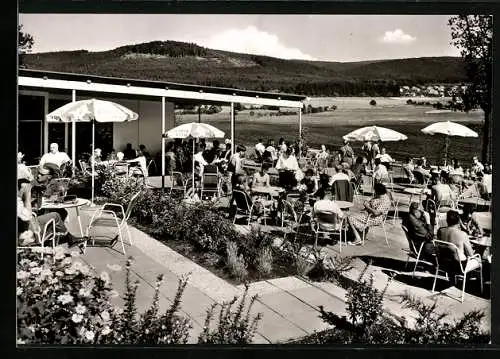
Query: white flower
19	291
105	315
22	274
65	298
106	330
69	271
89	335
77	318
85	292
104	277
33	264
114	294
46	272
36	270
24	261
66	261
59	273
53	281
60	253
114	267
80	309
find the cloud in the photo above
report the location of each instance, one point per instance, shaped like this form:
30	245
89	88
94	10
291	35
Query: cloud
397	37
253	41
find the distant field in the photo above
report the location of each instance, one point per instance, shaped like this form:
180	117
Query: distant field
329	127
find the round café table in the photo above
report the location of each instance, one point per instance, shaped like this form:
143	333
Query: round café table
344	204
79	202
475	201
417	192
272	191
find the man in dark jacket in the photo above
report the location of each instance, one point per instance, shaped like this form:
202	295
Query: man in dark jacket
420	230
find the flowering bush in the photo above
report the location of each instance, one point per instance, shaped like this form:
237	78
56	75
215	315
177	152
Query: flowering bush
67	303
61	302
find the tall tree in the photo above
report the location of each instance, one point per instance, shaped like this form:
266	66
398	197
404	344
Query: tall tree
24	43
473	35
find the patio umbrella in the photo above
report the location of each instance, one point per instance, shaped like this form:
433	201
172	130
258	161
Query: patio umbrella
448	129
92	111
194	130
374	133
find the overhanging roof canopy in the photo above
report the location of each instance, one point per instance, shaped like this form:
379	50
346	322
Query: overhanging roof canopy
89	83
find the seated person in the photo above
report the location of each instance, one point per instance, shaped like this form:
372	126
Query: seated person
27	222
22	169
373	214
112	156
486	183
97	156
456	168
339	175
420	230
309	184
385	158
480	222
421	172
242	186
476	190
143	167
327	213
54	156
323	184
261	178
442	193
380	174
408	168
121	166
476	166
145	152
455	235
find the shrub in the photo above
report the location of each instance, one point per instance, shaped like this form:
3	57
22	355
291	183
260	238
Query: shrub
265	261
235	327
61	302
236	264
373	103
67	303
331	269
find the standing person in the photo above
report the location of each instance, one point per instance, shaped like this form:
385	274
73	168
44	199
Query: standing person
55	156
170	161
367	150
259	149
476	166
288	168
282	147
375	151
347	153
129	152
235	163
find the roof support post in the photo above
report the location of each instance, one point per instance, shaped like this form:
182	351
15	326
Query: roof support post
300	132
73	135
163	143
232	128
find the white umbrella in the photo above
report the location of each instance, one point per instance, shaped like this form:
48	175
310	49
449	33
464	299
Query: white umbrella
92	111
194	130
448	129
374	133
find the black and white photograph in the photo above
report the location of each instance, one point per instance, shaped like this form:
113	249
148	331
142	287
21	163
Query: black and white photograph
254	179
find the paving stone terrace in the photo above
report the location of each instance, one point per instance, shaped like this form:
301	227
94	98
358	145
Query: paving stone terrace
289	305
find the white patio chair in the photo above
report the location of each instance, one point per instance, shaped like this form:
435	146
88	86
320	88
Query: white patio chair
382	224
99	219
41	237
446	254
337	226
413	252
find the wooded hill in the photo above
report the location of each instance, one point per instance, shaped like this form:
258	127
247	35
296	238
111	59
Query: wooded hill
181	62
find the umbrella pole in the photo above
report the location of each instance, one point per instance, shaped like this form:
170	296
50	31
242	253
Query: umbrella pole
446	144
93	162
193	168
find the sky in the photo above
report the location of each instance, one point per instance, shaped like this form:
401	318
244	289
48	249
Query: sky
311	37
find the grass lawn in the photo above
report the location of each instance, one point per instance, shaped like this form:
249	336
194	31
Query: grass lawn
329	127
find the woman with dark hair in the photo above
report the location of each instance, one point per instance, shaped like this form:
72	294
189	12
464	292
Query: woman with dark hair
372	214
